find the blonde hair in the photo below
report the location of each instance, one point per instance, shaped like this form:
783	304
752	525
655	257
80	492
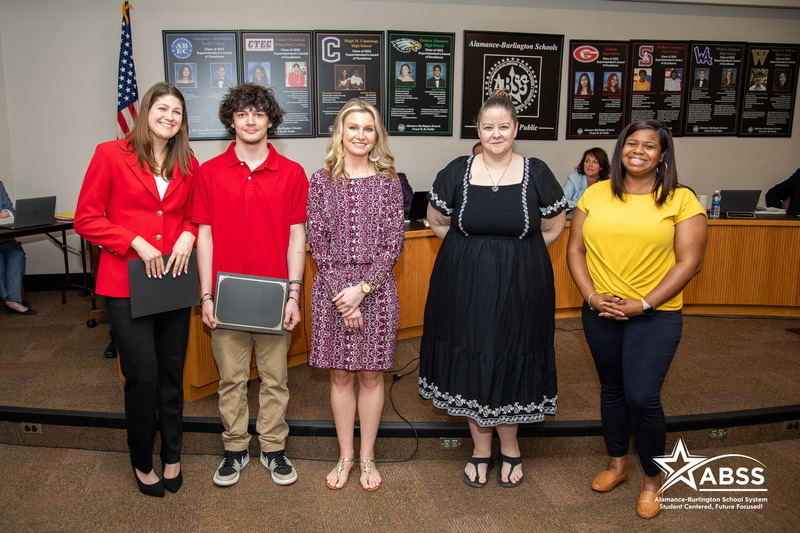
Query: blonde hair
334	158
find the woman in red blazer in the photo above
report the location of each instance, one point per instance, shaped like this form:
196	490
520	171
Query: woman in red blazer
135	203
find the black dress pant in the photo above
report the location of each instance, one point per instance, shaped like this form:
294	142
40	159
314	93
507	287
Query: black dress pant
152	350
632	358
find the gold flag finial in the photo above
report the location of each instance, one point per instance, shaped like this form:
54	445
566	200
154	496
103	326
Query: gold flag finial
125	7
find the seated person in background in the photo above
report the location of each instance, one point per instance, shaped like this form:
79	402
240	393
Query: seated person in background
12	263
477	148
408	193
786	189
593	167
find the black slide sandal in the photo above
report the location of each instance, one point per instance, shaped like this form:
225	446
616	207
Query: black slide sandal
475	461
513	461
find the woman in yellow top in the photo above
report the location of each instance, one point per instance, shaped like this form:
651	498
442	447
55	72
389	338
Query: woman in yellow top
635	242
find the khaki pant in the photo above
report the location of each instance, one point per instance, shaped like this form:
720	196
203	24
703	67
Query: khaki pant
232	349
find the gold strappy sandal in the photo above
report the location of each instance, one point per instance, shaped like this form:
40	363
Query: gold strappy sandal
367	469
339	469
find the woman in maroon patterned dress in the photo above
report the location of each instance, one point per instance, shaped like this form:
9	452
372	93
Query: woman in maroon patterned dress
355	230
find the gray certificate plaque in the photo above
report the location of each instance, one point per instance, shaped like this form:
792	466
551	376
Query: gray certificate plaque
250	303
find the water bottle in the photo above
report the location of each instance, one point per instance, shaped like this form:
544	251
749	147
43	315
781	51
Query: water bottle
715	201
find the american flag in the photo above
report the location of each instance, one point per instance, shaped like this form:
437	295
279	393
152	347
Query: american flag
127	91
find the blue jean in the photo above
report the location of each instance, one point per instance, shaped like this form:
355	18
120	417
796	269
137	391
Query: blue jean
632	358
12	268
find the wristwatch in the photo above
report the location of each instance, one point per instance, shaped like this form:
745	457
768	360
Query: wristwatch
647	309
365	287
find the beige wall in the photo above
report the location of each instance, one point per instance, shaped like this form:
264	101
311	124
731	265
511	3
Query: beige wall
58	64
6	176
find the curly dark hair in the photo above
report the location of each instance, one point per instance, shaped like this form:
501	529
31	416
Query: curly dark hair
250	96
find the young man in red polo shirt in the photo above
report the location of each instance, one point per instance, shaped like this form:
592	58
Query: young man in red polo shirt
250	205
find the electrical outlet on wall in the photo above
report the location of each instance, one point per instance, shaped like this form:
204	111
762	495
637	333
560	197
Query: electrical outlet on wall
30	428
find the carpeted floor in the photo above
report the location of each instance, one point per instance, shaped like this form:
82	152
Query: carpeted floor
52	360
46	489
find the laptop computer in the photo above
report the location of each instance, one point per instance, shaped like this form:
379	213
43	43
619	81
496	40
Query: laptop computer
740	201
419	206
31	212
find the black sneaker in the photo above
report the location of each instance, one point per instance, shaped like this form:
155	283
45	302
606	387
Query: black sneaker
228	472
283	473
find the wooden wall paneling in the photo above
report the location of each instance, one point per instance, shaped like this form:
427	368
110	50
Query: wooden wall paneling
413	272
200	370
748	265
567	294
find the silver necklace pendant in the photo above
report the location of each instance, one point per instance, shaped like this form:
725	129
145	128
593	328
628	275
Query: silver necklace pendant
495	186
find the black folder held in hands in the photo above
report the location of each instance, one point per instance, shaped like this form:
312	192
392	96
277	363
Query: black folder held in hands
153	295
250	303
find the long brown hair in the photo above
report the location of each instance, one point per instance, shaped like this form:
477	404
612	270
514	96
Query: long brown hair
334	159
140	139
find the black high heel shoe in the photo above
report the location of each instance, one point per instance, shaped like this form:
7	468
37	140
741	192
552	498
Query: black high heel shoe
156	489
28	312
173	484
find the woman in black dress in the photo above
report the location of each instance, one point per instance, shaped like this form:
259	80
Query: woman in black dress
487	344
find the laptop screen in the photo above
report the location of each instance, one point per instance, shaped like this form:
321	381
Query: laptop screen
29	212
739	200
